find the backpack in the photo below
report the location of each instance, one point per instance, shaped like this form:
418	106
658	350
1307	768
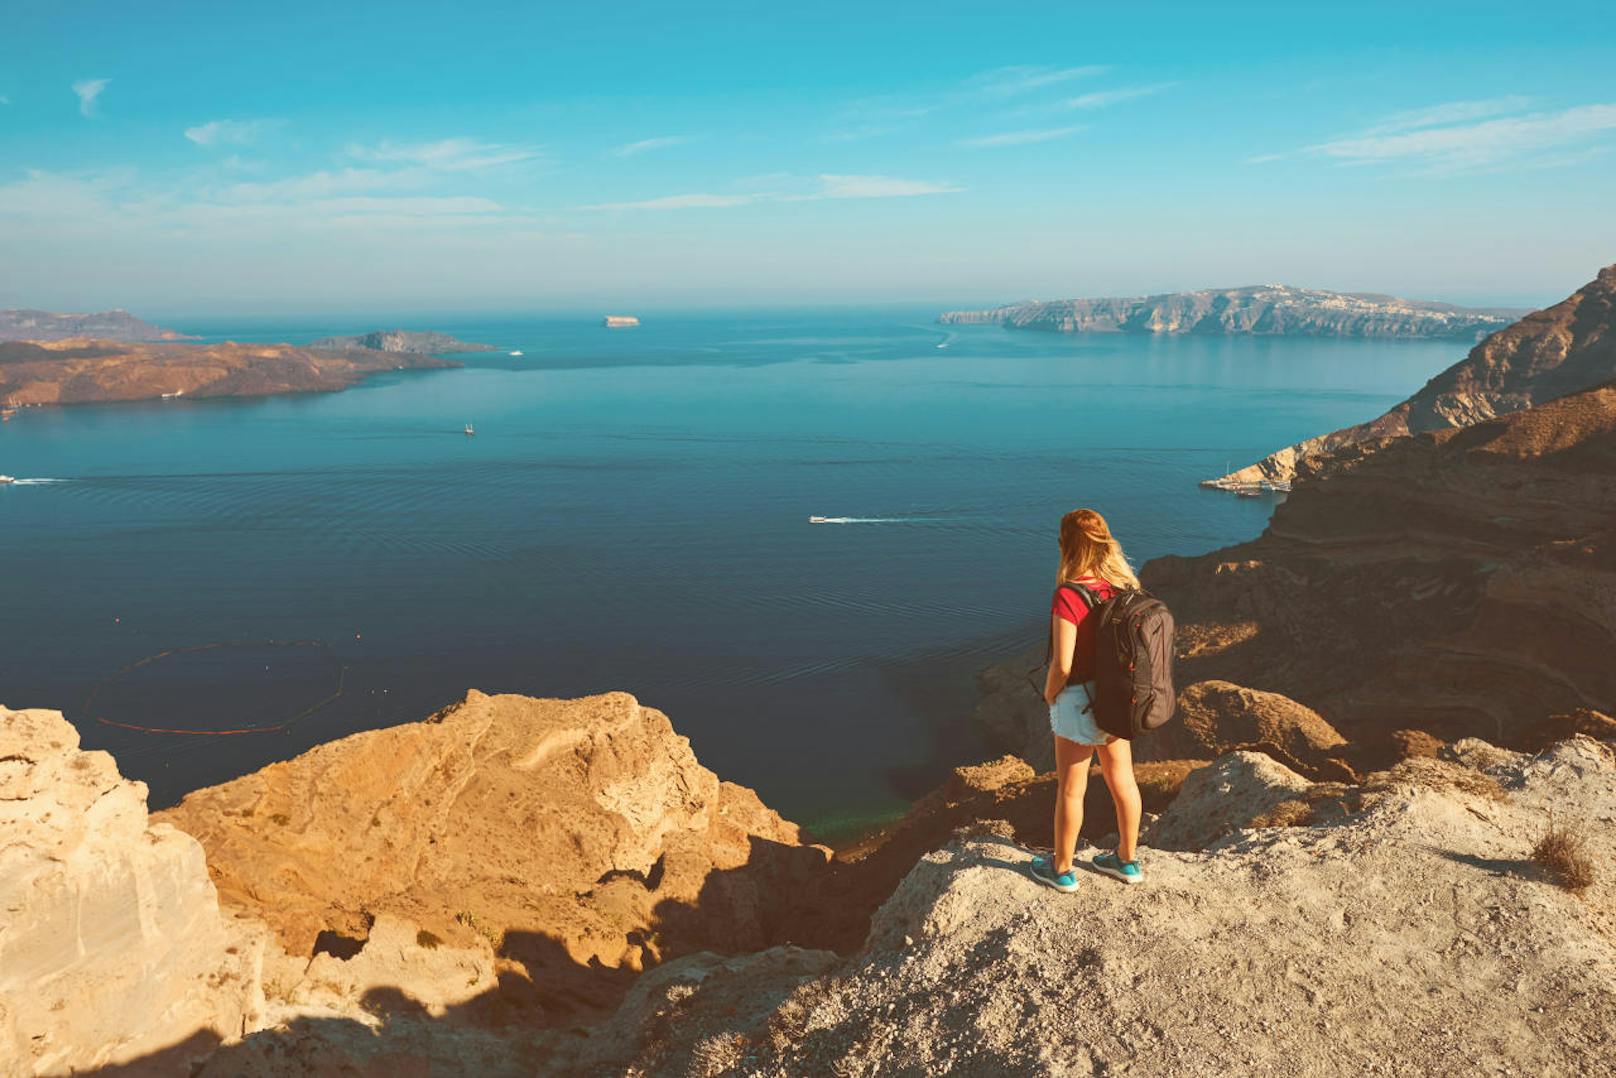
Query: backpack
1133	661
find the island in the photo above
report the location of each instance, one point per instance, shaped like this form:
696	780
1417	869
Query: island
115	325
1255	310
414	342
86	370
619	321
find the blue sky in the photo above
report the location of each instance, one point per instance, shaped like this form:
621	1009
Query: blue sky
233	157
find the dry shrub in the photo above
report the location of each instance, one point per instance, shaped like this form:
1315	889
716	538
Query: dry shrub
1436	774
1563	854
1291	813
715	1055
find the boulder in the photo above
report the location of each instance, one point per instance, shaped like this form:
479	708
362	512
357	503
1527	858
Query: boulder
1234	792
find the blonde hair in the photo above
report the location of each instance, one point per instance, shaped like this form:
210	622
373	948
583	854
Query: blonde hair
1087	548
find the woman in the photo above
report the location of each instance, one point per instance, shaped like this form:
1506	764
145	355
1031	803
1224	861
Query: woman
1091	557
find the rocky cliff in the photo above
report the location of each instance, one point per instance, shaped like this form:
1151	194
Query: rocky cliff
1451	584
79	371
426	342
583	837
112	942
1547	354
119	325
1398	925
1262	310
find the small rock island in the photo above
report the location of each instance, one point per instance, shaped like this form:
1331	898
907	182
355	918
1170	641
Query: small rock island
414	342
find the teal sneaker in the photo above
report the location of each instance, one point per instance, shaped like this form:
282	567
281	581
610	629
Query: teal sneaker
1112	865
1043	870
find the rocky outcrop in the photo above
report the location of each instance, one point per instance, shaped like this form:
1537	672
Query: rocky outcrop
419	342
81	371
1259	310
1460	583
1548	354
112	943
1213	717
118	325
1233	792
581	838
1411	936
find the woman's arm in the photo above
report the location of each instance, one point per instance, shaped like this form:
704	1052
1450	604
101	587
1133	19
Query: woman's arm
1064	634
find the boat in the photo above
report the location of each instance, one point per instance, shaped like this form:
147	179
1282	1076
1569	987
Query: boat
470	429
176	393
819	520
619	321
4	479
516	352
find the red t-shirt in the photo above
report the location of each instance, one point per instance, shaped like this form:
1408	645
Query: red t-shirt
1069	606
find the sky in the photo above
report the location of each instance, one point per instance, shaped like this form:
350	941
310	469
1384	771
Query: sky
231	157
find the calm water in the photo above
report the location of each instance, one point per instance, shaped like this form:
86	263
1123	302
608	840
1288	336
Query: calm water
631	514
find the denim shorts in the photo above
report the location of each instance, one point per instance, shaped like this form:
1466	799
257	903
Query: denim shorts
1068	719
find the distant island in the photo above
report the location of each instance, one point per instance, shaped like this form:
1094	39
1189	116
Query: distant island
1257	310
413	342
84	370
117	325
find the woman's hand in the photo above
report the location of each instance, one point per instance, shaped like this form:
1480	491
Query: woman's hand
1060	663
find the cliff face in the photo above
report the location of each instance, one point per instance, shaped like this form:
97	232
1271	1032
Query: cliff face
78	371
1459	583
402	340
28	325
1264	310
1559	350
112	944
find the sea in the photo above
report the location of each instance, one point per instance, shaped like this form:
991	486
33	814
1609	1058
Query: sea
207	586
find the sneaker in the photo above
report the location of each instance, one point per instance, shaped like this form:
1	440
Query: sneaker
1043	870
1112	865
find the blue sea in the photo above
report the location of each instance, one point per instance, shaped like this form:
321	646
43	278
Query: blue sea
259	576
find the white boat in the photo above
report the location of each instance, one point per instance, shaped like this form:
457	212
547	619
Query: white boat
176	393
819	520
7	479
470	429
517	352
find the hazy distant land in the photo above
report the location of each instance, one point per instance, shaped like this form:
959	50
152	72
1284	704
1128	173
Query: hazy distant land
116	325
1256	310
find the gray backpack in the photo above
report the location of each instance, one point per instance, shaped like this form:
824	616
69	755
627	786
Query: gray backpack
1133	661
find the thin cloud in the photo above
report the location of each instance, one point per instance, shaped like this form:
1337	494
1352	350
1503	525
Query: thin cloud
1020	138
1450	112
1106	98
1485	143
89	92
662	142
1025	78
230	132
446	155
829	186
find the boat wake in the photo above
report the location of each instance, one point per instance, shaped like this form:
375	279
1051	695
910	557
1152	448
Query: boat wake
872	520
36	482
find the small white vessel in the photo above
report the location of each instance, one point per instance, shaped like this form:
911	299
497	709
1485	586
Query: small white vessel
470	429
819	520
516	352
7	479
176	393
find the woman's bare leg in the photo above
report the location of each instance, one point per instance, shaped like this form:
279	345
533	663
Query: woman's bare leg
1116	764
1072	775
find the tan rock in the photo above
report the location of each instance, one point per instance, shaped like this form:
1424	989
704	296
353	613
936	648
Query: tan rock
580	839
111	939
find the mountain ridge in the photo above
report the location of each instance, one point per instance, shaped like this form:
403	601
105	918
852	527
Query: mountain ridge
27	324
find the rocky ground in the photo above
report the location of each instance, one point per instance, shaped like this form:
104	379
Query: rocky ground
1412	935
